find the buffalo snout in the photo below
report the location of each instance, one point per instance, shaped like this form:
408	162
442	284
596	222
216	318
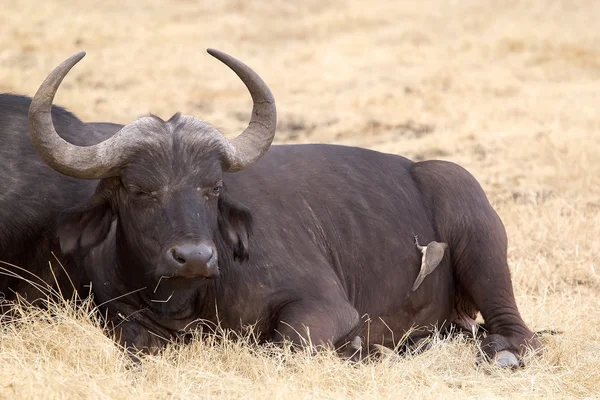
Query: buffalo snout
194	260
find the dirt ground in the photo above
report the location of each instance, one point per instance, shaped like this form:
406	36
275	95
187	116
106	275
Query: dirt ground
510	90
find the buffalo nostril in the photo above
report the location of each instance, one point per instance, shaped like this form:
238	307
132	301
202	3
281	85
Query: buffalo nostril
192	255
177	257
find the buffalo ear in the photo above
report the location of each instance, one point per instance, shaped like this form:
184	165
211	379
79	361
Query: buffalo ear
235	224
85	226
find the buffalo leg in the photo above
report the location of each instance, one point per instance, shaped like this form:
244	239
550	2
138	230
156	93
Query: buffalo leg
320	323
484	277
465	219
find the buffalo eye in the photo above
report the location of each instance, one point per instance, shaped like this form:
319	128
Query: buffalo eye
208	192
216	190
138	193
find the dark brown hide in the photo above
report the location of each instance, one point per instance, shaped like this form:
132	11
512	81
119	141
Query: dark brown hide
333	240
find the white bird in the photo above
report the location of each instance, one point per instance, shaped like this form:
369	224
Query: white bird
433	254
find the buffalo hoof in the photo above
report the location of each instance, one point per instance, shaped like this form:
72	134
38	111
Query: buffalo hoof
422	345
353	350
506	359
386	352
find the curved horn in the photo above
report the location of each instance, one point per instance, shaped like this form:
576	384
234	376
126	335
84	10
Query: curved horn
84	162
256	139
105	159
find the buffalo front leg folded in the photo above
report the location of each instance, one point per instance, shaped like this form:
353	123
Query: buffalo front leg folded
320	323
136	338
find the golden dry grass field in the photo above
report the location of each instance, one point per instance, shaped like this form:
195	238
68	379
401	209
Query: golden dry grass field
508	89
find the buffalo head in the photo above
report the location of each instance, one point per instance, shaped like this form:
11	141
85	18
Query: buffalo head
161	182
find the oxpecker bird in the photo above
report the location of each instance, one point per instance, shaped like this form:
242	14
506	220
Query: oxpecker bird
432	256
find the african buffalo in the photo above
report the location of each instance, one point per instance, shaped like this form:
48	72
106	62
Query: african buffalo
33	195
186	227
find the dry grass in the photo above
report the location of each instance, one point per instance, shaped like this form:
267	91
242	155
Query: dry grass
510	91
